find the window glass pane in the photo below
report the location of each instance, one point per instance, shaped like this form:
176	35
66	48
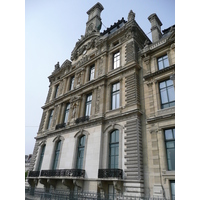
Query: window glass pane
174	132
163	94
166	62
160	65
171	159
72	83
173	190
116	162
117	135
58	145
169	82
171	93
162	85
170	144
112	151
168	134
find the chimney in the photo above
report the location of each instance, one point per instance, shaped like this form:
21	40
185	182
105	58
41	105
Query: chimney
94	20
155	27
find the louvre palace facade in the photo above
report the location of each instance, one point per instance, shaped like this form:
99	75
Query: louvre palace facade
108	123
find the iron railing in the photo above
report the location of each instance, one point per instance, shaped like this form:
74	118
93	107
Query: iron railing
76	195
82	119
64	172
33	173
110	173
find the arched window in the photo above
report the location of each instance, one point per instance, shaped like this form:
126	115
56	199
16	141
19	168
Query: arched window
80	153
114	149
41	157
56	155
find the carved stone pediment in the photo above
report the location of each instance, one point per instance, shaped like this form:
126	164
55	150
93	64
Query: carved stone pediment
85	43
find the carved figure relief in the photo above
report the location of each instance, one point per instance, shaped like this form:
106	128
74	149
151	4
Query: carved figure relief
131	15
74	110
100	68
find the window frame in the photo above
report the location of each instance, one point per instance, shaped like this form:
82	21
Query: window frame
82	150
56	155
162	60
66	111
166	90
72	83
113	94
50	118
92	72
116	58
167	141
114	145
42	152
88	103
172	195
56	91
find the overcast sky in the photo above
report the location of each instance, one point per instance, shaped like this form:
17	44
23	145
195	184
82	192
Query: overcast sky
52	29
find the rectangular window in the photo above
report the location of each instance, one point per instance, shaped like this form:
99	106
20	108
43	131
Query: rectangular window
50	118
167	94
88	105
92	69
170	148
41	157
72	83
116	60
115	95
163	62
80	153
56	91
172	184
66	114
56	155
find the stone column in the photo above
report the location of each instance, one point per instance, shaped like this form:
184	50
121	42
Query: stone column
87	73
82	106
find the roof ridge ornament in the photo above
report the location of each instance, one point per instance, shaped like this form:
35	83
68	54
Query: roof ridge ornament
131	16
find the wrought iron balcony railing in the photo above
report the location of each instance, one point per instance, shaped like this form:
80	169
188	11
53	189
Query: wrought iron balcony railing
34	174
110	173
82	119
60	125
63	172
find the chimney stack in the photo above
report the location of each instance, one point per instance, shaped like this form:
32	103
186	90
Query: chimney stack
155	27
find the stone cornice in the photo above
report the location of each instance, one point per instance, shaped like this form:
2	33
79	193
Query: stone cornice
93	83
93	121
160	118
77	91
148	76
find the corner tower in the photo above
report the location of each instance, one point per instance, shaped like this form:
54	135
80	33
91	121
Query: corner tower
94	20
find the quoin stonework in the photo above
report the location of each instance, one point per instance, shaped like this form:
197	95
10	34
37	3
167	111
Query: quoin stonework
108	124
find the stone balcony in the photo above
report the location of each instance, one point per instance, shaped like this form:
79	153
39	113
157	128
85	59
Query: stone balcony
110	173
57	173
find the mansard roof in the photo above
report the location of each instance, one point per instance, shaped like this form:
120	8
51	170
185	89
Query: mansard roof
116	24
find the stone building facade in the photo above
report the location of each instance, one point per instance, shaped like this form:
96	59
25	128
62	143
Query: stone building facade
102	127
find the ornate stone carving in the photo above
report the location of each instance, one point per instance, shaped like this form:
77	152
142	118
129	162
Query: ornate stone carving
78	183
118	186
97	99
131	15
100	68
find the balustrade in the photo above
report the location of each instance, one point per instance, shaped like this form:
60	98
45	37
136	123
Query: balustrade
110	173
63	172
